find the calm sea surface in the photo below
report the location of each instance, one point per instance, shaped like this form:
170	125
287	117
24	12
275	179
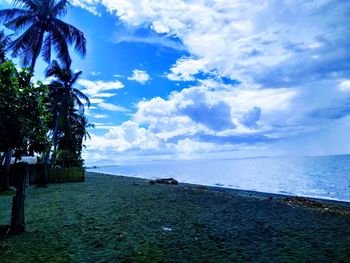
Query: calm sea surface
323	177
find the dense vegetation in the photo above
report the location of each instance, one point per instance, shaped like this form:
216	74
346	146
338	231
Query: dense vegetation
40	120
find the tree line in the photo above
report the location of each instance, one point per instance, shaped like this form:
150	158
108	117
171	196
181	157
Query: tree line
47	120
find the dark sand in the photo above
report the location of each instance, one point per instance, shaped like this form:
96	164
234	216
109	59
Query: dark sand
120	219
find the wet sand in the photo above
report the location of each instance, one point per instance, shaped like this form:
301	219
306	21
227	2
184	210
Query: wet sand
122	219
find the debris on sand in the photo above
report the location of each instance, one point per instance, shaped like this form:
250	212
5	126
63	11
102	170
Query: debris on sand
313	204
164	181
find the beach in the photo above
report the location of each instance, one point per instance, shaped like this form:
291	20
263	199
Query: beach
124	219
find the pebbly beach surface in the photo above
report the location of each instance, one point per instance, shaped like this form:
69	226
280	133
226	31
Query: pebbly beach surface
123	219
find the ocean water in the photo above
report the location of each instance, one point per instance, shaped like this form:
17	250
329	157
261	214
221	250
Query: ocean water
326	177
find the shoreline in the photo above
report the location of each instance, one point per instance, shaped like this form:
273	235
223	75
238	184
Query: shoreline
243	192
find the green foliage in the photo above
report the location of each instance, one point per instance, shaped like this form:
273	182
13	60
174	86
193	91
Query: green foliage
68	158
27	111
23	115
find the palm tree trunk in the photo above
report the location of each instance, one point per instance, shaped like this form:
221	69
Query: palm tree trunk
43	180
54	138
2	159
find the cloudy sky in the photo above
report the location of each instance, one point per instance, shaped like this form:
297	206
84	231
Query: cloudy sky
214	78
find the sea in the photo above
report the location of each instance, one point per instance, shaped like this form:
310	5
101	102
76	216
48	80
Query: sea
324	177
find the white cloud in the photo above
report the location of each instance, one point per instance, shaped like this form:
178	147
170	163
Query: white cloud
186	68
140	76
118	76
111	107
94	73
125	137
344	85
97	88
89	113
96	100
200	120
245	40
152	40
189	146
89	5
105	127
213	119
291	58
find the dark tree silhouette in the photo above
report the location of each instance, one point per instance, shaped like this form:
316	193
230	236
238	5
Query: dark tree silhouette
41	31
65	99
4	42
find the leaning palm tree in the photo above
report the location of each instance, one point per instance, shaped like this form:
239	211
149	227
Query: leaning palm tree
64	98
42	31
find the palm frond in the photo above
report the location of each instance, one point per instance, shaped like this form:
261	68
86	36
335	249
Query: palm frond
37	46
4	42
81	95
75	77
46	50
54	86
7	15
32	5
72	35
20	22
60	8
53	69
25	44
60	46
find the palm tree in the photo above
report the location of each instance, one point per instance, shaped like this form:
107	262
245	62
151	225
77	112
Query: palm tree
64	98
80	131
62	90
42	31
70	140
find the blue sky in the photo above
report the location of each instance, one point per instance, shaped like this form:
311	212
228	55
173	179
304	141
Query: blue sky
215	78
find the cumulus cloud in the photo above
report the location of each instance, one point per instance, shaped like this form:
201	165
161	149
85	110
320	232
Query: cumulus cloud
141	76
186	68
245	39
200	120
250	118
127	136
291	58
